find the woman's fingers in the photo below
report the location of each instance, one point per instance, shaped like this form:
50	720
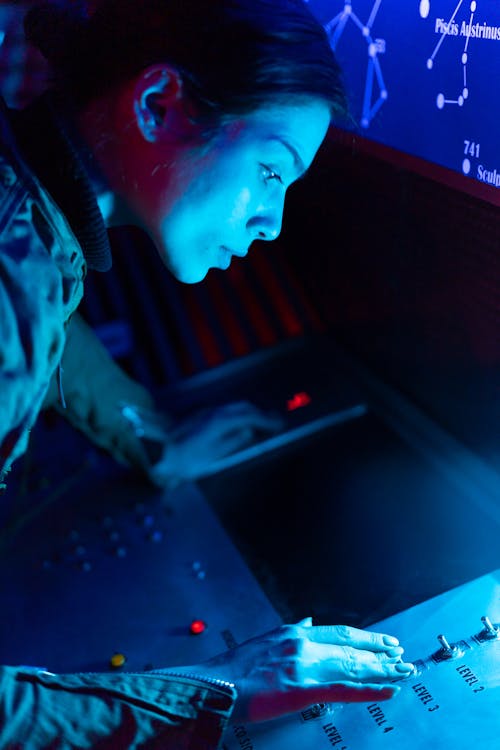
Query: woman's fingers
198	442
333	663
226	428
342	635
243	413
326	654
262	707
353	692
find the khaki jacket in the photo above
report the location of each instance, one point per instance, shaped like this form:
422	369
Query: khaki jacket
48	355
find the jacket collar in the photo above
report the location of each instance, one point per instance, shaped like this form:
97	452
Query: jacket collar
42	136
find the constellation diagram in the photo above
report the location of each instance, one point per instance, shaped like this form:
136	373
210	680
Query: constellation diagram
375	47
451	28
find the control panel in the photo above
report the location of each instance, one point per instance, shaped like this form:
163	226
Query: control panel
118	575
451	700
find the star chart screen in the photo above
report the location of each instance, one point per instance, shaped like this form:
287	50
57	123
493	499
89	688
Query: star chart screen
423	77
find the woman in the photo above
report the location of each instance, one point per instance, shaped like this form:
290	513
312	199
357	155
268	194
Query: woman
189	119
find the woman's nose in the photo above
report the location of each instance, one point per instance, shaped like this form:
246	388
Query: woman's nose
266	224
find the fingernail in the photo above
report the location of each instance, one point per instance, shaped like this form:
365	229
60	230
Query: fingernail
398	651
389	692
306	622
404	667
389	640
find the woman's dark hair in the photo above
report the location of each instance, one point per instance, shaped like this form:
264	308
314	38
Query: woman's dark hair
233	55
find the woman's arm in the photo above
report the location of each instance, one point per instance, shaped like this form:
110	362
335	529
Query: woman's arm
118	414
275	674
94	389
295	666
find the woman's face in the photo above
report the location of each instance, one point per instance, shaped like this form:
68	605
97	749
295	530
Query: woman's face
204	203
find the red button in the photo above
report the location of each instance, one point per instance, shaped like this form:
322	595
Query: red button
298	401
197	627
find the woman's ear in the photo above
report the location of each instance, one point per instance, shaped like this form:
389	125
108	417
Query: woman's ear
157	96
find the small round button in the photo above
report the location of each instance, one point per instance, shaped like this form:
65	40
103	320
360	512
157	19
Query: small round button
197	627
155	536
117	661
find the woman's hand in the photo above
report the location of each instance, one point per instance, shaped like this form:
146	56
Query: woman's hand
295	666
196	444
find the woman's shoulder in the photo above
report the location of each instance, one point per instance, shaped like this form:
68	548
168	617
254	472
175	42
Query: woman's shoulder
13	168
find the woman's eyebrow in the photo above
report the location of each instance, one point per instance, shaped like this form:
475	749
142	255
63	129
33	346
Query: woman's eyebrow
297	160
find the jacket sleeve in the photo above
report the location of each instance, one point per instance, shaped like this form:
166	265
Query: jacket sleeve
40	710
33	312
94	389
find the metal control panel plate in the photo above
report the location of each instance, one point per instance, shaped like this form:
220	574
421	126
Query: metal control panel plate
452	700
118	567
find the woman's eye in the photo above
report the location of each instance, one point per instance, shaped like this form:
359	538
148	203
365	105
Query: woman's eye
269	174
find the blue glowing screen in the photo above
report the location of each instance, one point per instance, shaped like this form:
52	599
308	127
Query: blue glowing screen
423	77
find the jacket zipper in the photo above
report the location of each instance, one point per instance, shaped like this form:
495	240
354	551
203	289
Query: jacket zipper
191	676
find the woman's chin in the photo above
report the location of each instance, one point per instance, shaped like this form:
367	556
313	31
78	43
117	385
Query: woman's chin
184	272
189	275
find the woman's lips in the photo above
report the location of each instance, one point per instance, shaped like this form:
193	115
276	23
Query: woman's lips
238	253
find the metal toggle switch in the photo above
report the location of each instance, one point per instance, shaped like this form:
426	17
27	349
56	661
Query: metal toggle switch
490	631
447	647
493	630
447	650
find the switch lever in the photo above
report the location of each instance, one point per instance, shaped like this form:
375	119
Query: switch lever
447	650
490	631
